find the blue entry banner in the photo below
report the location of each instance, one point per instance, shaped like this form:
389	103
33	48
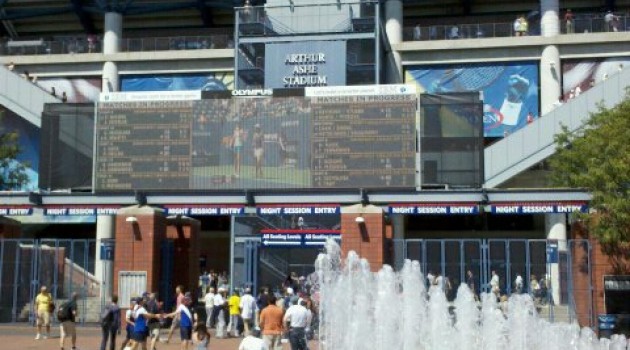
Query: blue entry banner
299	210
434	209
539	208
510	90
16	211
203	210
81	211
297	238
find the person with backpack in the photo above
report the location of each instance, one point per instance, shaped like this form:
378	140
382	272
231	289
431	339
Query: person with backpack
110	323
67	314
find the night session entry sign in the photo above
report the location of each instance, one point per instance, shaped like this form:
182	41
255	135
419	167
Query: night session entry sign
297	238
434	209
299	210
539	208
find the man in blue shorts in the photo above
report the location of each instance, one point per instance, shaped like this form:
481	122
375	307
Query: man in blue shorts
141	326
185	321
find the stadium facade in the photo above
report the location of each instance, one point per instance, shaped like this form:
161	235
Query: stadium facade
468	191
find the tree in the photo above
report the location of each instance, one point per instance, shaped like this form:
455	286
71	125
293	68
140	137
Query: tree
597	158
12	171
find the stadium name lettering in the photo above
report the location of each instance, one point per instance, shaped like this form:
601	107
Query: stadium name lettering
305	70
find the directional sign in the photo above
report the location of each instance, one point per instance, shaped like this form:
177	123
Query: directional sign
107	250
297	238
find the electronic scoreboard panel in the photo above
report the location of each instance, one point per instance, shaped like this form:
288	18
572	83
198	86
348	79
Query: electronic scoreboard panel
343	137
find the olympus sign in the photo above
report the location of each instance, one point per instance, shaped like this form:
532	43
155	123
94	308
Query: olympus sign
253	92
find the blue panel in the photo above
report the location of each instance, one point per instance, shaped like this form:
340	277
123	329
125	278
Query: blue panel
510	90
174	82
28	142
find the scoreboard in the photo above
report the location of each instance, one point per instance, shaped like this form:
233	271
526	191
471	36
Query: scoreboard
345	137
363	141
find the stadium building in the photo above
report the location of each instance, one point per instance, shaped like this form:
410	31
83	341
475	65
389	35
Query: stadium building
167	138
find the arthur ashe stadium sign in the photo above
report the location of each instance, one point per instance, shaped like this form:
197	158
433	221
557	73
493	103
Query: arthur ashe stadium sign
308	63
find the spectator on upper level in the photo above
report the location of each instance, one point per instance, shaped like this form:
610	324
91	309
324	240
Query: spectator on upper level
454	33
568	22
11	66
612	22
64	97
417	32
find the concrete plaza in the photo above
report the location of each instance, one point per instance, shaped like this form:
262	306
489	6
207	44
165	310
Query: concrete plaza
22	336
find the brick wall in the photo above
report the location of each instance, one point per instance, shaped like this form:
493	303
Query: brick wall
138	244
10	228
367	239
604	261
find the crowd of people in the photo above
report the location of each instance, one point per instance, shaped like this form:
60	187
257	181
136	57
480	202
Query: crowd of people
264	322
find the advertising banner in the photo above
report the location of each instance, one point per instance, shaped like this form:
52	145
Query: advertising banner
305	63
510	90
28	142
219	81
581	74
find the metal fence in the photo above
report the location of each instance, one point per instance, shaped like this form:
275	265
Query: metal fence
580	24
64	266
561	268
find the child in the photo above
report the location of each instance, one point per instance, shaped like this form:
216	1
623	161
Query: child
201	337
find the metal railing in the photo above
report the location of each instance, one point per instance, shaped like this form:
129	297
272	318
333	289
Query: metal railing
292	19
581	24
80	46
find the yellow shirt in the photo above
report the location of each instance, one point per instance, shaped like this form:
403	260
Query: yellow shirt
43	301
234	303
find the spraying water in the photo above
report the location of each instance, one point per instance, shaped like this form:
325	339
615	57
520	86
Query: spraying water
388	310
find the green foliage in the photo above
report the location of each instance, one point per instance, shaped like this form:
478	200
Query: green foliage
597	157
12	172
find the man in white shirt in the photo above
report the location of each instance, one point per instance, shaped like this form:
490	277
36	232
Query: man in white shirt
495	284
248	308
209	301
252	343
298	319
219	303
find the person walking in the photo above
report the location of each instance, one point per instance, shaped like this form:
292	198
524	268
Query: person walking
67	315
129	323
153	307
43	307
110	323
185	322
271	324
141	326
179	292
298	320
234	306
209	301
248	308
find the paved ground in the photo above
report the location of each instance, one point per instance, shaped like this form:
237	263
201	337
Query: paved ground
22	336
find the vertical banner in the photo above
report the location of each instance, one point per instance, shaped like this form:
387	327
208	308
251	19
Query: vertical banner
510	90
307	63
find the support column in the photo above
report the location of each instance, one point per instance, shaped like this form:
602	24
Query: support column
550	69
111	45
549	20
104	269
365	236
556	227
393	29
550	77
398	222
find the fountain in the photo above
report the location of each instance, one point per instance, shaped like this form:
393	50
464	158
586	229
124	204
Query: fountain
388	310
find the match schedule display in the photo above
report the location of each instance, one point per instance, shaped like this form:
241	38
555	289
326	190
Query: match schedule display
344	137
